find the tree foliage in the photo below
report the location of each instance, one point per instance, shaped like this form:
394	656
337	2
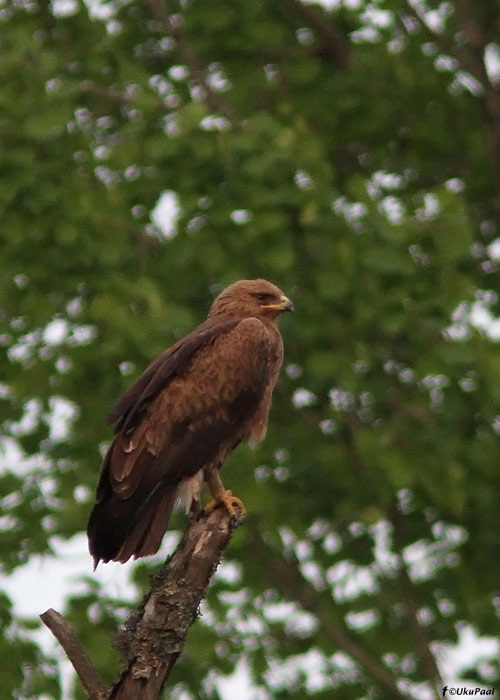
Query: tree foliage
349	153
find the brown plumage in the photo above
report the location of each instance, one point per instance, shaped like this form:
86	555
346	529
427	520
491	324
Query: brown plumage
184	416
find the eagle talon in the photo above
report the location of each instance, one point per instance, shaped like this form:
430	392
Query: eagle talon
232	504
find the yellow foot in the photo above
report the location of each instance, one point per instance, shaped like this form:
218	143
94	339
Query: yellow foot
232	504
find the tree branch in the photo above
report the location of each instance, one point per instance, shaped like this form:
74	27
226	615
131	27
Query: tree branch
467	60
88	87
422	639
470	57
154	636
187	55
77	655
335	45
476	37
288	579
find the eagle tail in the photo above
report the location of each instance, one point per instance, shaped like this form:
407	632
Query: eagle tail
113	538
147	533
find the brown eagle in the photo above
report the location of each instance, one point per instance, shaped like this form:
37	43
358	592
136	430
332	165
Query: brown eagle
180	421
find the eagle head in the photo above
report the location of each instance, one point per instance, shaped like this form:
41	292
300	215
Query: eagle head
251	298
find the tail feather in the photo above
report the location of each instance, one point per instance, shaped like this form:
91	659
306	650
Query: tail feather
146	535
118	530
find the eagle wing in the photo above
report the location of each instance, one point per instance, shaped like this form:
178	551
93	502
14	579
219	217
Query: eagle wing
187	412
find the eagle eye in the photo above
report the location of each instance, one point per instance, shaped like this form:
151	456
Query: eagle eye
263	297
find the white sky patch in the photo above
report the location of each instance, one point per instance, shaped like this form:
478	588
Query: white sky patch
303	397
82	335
351	211
217	79
271	71
481	318
305	36
303	180
349	581
455	184
252	624
15	460
468	82
74	306
61	416
492	62
229	571
82	494
312	572
454	659
29	420
64	8
303	549
328	426
99	9
215	123
332	543
161	85
327	4
393	208
46	582
301	625
445	63
312	665
430	209
425	557
416	691
240	684
387	181
378	18
434	19
178	73
11	454
362	620
293	370
166	213
241	216
24	348
494	250
341	400
55	332
367	34
386	562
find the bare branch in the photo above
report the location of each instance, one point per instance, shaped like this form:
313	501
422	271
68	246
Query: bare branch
90	88
187	55
422	638
470	56
463	56
289	580
155	636
335	45
80	661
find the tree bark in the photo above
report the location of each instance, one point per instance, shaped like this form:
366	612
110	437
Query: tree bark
154	636
67	638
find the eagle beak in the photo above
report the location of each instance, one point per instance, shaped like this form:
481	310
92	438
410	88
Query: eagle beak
284	305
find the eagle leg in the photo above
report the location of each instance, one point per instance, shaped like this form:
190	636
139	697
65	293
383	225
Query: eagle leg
223	497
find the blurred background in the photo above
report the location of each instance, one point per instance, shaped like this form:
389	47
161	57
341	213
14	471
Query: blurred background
150	154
